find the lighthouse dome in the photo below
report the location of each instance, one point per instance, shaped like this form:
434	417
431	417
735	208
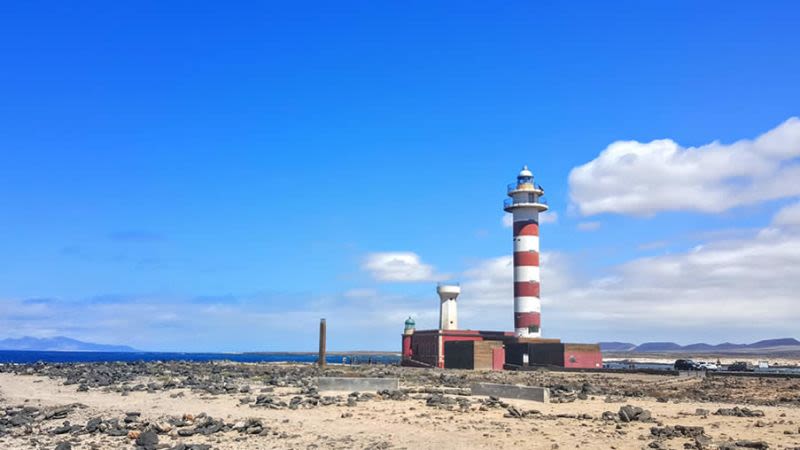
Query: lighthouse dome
525	173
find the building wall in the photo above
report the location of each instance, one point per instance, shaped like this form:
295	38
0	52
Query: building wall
470	354
498	358
427	346
424	348
459	354
546	354
407	353
514	353
583	356
447	338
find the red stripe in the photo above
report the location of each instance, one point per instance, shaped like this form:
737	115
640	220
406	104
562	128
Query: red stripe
526	289
526	228
527	319
526	258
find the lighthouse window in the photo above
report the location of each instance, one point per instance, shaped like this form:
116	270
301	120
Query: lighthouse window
532	198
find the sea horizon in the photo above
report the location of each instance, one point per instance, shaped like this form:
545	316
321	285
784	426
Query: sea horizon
69	356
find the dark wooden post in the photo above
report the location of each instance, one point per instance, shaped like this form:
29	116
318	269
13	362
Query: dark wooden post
322	332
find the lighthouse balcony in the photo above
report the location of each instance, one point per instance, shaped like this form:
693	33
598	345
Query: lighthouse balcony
540	203
513	188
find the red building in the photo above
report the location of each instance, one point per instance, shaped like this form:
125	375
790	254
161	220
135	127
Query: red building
429	348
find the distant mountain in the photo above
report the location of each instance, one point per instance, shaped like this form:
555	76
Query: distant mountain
699	347
766	346
59	344
616	346
775	343
657	347
727	346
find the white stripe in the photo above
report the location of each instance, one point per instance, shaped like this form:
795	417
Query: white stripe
526	273
526	214
527	304
526	243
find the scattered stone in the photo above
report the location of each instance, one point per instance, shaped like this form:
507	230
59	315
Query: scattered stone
148	440
739	412
63	429
752	444
190	447
677	431
630	413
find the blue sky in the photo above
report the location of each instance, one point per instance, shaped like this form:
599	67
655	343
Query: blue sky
199	176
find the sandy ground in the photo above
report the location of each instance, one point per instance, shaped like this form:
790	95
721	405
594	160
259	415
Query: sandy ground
391	423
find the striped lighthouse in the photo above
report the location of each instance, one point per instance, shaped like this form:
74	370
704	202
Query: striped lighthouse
525	204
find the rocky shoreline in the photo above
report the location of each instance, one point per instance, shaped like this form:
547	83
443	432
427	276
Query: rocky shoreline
236	405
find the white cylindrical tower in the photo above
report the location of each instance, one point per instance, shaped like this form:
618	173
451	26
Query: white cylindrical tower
525	204
448	314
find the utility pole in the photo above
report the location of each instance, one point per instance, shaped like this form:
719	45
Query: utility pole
322	332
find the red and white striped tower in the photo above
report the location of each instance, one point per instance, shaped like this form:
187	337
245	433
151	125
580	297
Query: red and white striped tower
525	204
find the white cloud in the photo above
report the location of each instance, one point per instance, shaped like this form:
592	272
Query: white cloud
360	293
789	215
400	267
545	217
729	285
488	282
588	226
726	289
636	178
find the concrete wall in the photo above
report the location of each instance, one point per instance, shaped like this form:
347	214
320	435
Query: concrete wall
537	394
357	384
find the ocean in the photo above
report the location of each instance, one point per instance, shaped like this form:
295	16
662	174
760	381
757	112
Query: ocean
28	357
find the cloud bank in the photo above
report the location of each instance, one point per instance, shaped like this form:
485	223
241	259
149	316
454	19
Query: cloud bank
636	178
263	322
725	288
400	267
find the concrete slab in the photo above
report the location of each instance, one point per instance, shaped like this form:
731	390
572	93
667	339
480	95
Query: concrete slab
357	384
519	392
